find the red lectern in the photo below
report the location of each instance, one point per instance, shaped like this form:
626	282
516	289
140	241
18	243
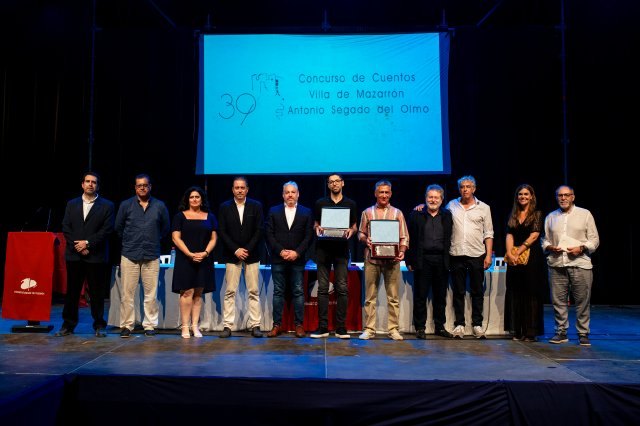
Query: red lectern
310	320
353	321
28	279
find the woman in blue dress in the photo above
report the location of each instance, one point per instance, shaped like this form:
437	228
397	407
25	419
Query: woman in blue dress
194	235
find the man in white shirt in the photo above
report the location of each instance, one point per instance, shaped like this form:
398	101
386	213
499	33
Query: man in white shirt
240	229
470	254
289	232
570	237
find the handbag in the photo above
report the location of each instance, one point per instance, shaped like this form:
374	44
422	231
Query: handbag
523	259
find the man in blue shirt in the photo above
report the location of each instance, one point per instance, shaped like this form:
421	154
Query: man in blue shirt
142	221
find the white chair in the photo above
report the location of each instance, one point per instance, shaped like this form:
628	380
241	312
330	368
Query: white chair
165	259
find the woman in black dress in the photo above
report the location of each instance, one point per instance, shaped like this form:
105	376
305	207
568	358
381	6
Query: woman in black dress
526	284
194	235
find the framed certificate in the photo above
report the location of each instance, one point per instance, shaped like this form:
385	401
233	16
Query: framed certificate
385	238
335	222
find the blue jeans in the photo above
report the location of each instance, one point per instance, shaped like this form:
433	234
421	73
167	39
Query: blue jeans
283	274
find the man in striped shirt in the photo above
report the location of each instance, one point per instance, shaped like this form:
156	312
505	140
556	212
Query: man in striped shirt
389	267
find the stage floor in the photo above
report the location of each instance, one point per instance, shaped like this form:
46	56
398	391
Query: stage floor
614	356
30	360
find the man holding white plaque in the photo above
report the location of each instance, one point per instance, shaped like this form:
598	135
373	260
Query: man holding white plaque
570	237
383	253
338	216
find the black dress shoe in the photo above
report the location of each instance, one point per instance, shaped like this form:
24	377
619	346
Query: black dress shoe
255	332
420	334
63	332
226	332
100	332
444	333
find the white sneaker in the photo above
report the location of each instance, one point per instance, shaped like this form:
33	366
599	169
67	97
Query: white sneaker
366	335
458	332
478	332
395	335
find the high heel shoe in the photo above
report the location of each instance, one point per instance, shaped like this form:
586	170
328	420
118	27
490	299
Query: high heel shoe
196	331
185	332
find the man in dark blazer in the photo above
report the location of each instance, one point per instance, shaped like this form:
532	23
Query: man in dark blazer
289	231
240	223
428	258
87	225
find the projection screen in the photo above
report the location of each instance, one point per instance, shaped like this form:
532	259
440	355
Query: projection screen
315	104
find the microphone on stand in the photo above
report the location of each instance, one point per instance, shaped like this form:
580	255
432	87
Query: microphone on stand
48	220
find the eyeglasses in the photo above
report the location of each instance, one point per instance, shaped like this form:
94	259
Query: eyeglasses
142	185
331	182
564	195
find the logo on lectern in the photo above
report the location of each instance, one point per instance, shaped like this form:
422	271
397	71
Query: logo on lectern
28	284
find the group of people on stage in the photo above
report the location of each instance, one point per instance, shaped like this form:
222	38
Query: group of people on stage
455	240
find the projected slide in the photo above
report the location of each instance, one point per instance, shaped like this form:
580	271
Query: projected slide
314	104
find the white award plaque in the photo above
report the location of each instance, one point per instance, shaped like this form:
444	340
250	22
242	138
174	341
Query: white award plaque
334	222
385	238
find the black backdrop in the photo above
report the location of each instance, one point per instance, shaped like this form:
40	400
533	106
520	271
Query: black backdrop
507	110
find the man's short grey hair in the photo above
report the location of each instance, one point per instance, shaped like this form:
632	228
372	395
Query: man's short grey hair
383	183
469	178
292	183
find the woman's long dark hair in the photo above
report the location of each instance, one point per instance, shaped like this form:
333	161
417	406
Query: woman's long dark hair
531	208
184	202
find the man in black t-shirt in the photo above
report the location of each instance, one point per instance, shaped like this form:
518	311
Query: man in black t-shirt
333	252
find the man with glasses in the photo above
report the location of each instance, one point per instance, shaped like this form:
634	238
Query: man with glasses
142	222
570	237
333	253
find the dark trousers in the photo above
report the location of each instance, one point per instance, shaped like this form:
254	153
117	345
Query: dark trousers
340	270
290	274
461	266
432	275
97	277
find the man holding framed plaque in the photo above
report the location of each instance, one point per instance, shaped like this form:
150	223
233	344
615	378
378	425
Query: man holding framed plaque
383	230
338	216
